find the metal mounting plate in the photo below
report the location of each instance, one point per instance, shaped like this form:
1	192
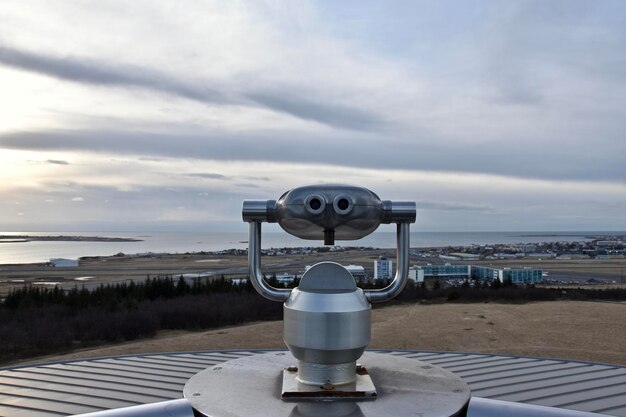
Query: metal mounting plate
251	387
362	389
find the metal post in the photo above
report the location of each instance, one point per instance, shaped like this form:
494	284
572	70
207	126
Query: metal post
254	265
402	269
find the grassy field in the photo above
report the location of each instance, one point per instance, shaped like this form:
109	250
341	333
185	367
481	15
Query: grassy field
588	331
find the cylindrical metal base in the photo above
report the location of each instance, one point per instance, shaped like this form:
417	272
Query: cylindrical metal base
319	374
250	387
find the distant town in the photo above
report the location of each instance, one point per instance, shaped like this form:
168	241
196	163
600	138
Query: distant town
601	247
599	261
456	269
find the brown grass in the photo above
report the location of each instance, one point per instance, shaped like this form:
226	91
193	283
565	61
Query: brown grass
591	331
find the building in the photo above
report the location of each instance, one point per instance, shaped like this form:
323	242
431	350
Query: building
383	268
608	243
285	278
481	273
522	276
63	263
418	273
357	271
466	256
515	276
529	248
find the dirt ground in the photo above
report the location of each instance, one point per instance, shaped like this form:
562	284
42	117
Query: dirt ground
590	331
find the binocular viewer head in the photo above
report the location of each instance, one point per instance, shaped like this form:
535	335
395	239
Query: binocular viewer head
328	212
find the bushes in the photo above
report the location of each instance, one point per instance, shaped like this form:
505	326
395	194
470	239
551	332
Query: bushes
38	321
202	312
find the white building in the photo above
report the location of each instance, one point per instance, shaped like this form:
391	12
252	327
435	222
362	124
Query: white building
383	268
285	278
357	271
63	263
416	274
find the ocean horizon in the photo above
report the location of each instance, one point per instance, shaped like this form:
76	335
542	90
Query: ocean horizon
183	242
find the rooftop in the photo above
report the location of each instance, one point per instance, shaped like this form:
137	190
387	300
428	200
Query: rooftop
62	388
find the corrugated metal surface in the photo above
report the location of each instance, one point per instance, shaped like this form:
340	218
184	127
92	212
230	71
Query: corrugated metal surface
58	389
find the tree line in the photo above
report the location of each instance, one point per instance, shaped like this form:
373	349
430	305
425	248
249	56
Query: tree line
37	320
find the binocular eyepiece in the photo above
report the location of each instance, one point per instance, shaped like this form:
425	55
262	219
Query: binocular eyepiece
328	212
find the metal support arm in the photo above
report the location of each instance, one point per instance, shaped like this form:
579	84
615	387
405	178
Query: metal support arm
254	265
402	269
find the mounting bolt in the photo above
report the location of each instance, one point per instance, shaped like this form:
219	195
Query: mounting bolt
328	386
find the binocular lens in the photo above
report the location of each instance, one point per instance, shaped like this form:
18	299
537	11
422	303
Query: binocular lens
343	204
315	203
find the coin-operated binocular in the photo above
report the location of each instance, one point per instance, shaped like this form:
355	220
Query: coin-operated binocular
327	318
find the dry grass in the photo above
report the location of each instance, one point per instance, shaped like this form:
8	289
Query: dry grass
592	331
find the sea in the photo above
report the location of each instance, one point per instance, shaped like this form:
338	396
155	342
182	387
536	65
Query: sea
183	242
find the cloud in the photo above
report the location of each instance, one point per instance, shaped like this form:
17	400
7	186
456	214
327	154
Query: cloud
330	114
208	175
439	205
247	185
490	115
90	71
444	201
57	162
550	161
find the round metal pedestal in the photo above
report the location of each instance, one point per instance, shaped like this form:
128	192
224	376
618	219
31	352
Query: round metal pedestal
251	387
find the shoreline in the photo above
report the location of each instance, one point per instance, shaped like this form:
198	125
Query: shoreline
63	238
39	246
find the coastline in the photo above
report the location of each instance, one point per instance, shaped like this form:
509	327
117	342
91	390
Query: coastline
63	238
43	246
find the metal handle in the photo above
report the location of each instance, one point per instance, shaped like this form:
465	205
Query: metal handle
254	264
258	211
402	269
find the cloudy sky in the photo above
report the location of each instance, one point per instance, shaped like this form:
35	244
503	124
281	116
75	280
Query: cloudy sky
157	115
